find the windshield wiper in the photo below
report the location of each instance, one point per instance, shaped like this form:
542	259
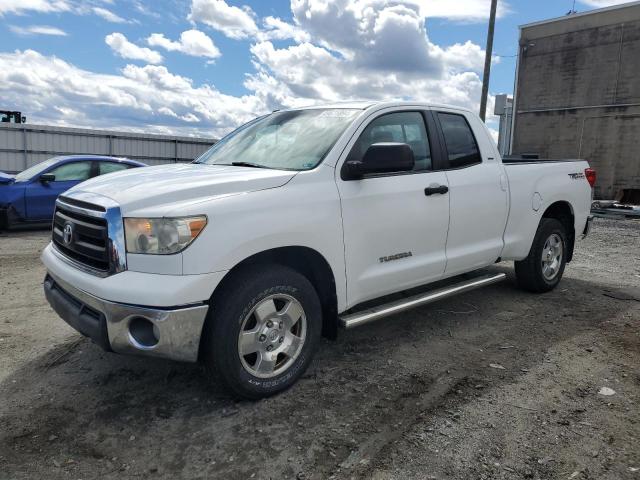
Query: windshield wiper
247	164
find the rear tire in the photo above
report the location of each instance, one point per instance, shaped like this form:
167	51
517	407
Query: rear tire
542	270
262	330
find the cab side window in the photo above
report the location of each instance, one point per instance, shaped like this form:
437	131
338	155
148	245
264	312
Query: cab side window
400	127
462	148
76	171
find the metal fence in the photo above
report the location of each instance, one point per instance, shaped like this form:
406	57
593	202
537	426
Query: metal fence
22	146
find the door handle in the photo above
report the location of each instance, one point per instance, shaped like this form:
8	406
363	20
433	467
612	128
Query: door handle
439	190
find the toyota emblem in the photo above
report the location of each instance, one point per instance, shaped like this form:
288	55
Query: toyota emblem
67	234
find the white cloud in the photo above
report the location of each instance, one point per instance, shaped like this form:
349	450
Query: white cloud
463	10
338	50
365	49
144	9
148	98
234	22
76	7
43	6
192	42
38	30
125	49
167	111
603	3
108	15
277	29
158	76
494	134
463	56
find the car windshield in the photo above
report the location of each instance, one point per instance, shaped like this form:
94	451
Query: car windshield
37	169
292	140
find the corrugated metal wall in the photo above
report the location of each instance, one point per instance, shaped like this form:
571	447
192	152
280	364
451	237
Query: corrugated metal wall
23	145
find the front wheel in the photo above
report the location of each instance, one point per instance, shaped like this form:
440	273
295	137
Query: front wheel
263	330
542	270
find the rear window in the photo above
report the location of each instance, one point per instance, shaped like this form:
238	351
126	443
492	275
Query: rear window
110	167
462	148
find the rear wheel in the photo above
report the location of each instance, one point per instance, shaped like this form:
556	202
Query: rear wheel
263	330
542	270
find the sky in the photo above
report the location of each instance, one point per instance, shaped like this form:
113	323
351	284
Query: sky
203	67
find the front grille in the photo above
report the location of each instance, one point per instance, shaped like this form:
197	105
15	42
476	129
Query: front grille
89	241
82	204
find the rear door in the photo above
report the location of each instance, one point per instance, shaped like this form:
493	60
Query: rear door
40	197
394	233
478	192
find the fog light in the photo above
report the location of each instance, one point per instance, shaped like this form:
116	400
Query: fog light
143	333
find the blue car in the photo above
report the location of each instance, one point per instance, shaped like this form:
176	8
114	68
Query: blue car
29	196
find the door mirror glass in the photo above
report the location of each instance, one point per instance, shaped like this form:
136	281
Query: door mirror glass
47	177
385	157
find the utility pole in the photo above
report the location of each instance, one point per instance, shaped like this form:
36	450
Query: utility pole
487	60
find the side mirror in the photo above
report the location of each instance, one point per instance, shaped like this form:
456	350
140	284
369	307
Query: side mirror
381	158
47	177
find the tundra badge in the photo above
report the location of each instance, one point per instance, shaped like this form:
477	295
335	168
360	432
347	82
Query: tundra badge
397	256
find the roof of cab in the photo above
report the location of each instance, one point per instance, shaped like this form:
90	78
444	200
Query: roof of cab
357	105
364	105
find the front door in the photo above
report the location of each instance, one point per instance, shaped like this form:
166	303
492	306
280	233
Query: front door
40	197
394	231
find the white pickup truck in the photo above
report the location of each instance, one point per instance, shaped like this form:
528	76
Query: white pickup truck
301	222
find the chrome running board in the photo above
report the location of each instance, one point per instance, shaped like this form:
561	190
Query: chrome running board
360	318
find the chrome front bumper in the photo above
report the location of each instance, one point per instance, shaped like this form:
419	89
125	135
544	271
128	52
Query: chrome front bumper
172	333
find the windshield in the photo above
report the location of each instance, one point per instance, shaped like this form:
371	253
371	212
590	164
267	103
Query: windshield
294	140
31	172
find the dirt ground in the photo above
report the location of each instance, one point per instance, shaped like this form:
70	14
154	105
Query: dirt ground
494	384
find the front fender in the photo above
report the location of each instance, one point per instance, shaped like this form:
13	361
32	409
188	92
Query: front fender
304	213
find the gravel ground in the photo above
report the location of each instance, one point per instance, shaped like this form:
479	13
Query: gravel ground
494	384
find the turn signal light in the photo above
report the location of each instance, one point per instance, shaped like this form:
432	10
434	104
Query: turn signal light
590	174
196	226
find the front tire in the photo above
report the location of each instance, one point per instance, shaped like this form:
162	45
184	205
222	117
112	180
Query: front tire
262	331
542	270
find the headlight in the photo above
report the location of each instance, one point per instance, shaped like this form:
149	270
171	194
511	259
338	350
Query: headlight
162	236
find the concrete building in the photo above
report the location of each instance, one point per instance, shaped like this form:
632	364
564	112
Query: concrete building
577	93
23	145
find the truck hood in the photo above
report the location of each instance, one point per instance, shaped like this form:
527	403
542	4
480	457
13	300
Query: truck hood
6	178
166	185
